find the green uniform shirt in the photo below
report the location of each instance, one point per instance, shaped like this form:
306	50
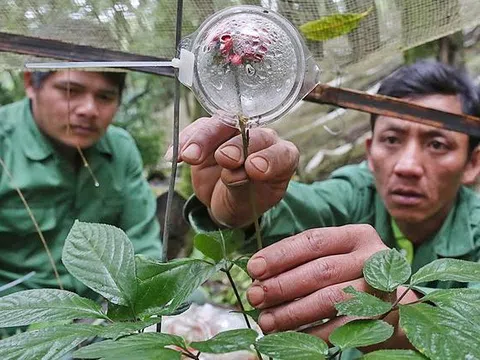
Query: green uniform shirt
58	195
349	196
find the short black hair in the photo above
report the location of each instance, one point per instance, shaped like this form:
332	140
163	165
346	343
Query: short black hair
429	78
117	78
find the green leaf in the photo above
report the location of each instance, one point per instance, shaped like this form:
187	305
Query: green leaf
46	344
462	301
101	256
118	330
120	313
386	270
447	270
217	245
358	333
440	334
163	287
393	355
42	305
140	346
254	314
227	341
242	262
332	26
362	304
293	345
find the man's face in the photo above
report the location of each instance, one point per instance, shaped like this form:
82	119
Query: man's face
418	169
74	108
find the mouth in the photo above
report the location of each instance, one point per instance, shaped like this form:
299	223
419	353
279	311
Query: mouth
82	129
406	196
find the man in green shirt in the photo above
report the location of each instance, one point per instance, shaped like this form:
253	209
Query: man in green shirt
46	141
410	194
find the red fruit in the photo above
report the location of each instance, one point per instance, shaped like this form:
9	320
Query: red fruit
235	59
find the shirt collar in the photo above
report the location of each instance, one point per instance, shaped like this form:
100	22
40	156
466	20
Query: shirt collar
38	147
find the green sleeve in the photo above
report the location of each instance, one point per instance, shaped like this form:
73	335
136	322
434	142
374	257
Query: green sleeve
305	206
138	218
325	203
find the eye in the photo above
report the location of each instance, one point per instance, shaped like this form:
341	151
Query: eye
107	97
437	145
391	140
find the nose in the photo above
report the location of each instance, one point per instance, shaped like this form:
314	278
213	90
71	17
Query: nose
87	107
409	161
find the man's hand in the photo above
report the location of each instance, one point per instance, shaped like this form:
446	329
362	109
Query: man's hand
221	175
298	280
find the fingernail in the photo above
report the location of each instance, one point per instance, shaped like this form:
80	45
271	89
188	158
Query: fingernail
255	295
192	152
257	267
260	164
238	183
169	154
267	322
232	152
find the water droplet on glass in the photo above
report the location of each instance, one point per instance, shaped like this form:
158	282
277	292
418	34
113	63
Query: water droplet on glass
250	70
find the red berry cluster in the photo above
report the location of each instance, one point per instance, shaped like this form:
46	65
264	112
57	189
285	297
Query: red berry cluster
246	51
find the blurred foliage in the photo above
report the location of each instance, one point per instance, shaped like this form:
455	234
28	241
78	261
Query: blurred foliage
144	97
11	87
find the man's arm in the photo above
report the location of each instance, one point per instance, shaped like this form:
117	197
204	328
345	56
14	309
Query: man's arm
138	218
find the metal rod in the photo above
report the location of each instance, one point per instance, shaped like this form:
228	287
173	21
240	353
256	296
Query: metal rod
176	132
97	64
54	49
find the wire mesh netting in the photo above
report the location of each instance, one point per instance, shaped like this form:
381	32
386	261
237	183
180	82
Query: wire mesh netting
148	26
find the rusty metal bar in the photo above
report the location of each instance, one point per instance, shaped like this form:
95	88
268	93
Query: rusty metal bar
33	46
393	107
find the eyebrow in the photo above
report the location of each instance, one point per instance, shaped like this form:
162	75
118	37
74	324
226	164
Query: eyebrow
424	133
72	84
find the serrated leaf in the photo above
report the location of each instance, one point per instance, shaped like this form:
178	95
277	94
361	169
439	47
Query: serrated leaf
358	333
163	287
120	313
362	304
227	341
46	344
293	345
102	257
120	329
217	245
141	346
447	270
462	301
393	355
386	270
439	334
332	26
42	305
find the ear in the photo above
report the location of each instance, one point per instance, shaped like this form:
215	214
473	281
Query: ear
368	146
27	82
472	169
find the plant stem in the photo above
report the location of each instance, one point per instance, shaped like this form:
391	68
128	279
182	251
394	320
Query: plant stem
190	355
395	304
335	354
35	223
239	300
242	122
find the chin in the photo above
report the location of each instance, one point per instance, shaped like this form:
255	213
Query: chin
410	217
